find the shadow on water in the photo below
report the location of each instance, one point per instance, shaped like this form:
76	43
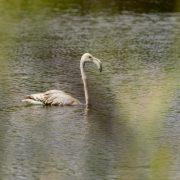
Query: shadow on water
104	144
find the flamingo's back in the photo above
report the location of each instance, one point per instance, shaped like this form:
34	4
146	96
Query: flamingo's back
52	97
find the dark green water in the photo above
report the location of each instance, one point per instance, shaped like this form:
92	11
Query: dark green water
132	131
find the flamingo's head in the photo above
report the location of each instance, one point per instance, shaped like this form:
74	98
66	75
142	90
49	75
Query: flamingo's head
87	57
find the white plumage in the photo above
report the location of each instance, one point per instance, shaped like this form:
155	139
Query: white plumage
52	97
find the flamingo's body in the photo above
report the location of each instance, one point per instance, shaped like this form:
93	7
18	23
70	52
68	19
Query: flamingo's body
60	98
52	97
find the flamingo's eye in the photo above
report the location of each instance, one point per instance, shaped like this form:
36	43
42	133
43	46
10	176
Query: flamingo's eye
90	57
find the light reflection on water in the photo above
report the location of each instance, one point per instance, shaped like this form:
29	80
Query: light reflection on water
132	130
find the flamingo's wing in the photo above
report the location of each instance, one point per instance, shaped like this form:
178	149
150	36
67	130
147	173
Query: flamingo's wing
52	97
56	97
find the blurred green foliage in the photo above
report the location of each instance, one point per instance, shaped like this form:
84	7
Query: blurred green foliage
83	6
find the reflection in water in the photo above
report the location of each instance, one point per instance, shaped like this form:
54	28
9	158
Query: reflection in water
132	129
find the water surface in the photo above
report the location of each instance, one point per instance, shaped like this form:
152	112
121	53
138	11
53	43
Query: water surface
132	130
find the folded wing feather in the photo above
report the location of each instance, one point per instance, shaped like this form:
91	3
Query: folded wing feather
52	97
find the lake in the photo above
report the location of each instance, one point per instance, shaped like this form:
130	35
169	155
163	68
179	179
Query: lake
131	131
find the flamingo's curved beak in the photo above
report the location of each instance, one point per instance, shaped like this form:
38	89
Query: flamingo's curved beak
98	63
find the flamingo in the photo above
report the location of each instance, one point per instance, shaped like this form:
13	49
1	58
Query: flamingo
60	98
